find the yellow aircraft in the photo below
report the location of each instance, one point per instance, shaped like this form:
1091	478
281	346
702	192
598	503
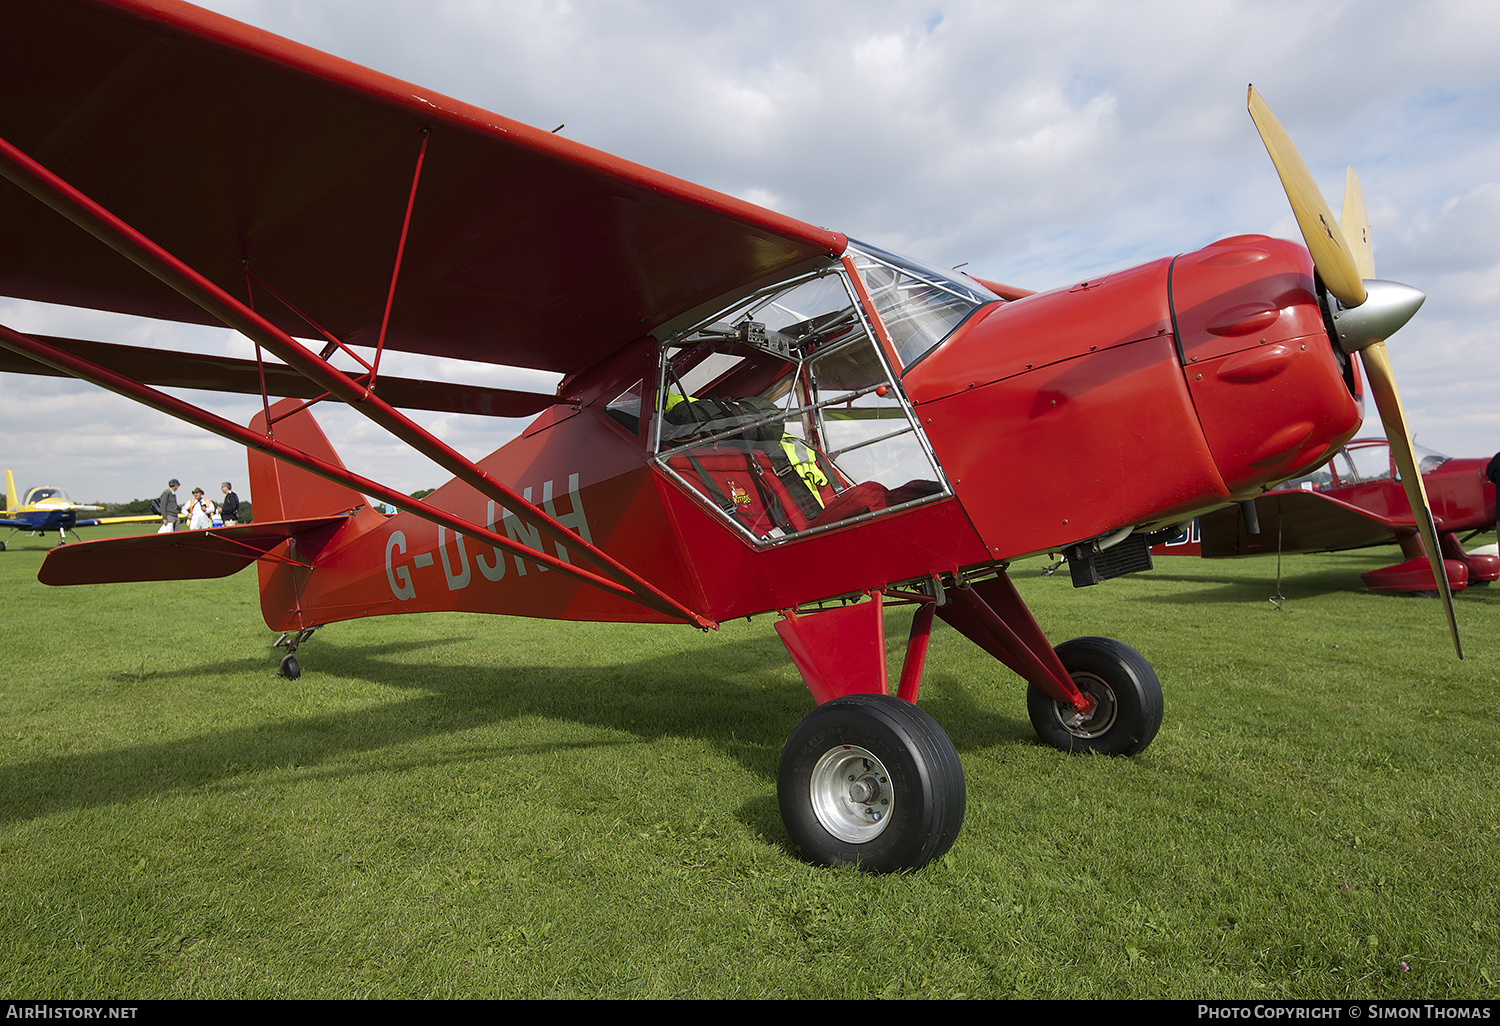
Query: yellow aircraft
46	508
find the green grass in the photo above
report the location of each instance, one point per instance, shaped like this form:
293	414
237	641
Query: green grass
454	805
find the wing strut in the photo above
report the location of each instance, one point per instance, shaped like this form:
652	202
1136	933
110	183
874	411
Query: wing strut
56	193
390	295
172	406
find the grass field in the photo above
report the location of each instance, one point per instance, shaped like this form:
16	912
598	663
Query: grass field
469	806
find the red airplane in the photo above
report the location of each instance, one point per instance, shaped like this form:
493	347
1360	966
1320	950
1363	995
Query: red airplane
1357	501
755	415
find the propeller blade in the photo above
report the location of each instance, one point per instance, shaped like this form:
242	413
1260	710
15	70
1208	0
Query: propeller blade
1388	401
1356	225
1325	241
1344	257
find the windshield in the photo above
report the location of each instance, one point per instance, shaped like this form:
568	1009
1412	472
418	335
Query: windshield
1367	463
919	304
1428	460
1363	462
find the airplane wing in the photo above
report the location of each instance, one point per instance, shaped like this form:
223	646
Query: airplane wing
1299	521
279	170
227	374
181	555
61	520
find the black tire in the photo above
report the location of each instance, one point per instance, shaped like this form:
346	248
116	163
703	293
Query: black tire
290	668
870	781
1129	695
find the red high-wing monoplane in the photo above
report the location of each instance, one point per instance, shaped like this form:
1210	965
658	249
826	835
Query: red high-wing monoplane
1357	501
755	415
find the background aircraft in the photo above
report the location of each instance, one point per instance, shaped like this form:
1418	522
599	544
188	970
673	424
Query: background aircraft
1356	501
46	508
756	414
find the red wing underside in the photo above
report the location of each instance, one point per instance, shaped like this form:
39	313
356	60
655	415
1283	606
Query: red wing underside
249	156
181	555
1299	521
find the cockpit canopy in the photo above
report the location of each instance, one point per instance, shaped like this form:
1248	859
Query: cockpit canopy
1363	461
782	412
46	493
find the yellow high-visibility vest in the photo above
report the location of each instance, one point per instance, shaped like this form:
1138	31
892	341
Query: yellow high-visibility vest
805	462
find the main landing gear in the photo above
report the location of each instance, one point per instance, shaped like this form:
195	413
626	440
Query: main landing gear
1127	702
869	780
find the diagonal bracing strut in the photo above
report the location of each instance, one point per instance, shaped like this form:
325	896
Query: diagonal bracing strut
72	204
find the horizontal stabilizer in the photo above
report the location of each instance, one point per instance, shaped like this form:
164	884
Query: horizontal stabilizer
181	555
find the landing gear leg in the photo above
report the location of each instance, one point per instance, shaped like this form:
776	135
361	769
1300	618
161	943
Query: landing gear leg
290	668
1087	695
866	779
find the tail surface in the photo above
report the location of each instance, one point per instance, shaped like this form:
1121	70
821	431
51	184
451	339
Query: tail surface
281	491
298	516
12	500
286	492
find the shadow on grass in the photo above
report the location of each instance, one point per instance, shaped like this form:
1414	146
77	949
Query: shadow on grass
661	696
1230	588
1303	585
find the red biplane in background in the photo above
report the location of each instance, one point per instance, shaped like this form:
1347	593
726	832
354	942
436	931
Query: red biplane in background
1357	501
755	414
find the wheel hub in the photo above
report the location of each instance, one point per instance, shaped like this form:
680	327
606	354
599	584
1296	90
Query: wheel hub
851	794
1096	721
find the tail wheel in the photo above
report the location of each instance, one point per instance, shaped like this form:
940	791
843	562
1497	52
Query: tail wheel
871	781
1128	709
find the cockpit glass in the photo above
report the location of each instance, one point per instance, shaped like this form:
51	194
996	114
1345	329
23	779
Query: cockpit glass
919	304
1428	460
783	416
1369	462
1362	462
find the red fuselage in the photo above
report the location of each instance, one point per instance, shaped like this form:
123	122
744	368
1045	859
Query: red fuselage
1133	400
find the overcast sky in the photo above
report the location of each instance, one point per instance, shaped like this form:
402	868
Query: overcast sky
1038	143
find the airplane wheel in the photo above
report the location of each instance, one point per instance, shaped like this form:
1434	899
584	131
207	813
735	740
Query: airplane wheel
1122	682
290	668
870	781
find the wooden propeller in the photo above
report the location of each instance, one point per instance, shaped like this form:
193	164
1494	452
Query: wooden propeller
1345	262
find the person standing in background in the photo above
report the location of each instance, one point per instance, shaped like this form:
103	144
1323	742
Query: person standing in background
200	512
229	509
168	508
